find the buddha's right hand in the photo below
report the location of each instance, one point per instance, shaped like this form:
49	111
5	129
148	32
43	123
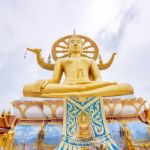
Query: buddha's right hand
45	83
40	84
35	50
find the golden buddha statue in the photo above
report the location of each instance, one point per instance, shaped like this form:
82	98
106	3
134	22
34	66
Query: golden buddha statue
82	75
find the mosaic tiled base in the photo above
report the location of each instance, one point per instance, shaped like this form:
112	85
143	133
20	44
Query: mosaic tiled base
74	111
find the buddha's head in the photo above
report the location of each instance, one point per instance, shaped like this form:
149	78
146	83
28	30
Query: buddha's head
75	44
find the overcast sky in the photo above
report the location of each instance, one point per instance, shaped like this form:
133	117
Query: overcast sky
121	26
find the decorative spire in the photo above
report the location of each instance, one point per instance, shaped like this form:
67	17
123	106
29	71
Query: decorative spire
25	54
3	113
9	113
49	59
74	35
74	32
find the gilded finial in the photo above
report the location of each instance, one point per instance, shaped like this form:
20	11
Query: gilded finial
3	113
9	113
74	33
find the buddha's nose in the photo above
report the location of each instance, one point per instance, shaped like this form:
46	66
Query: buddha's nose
75	44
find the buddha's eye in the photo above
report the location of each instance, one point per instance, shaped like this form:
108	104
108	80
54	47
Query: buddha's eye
72	41
78	41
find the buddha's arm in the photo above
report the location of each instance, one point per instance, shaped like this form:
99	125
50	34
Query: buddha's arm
94	71
103	66
58	70
40	60
56	75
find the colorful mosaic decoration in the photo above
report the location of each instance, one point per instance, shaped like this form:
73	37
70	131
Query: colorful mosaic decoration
85	125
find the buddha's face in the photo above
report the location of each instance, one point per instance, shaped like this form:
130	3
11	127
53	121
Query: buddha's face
75	45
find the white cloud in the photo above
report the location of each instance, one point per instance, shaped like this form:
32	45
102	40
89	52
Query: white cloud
131	41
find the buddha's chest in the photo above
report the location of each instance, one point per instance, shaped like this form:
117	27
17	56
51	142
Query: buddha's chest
76	66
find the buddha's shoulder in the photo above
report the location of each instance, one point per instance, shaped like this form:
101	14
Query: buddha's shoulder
60	60
87	59
69	59
63	59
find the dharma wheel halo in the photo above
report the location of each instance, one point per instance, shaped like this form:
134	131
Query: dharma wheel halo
60	47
